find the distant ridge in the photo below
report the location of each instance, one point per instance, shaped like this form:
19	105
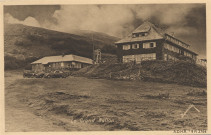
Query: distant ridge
26	43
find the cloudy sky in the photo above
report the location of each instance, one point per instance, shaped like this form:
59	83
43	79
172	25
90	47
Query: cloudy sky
186	21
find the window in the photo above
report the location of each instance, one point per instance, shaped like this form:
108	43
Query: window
194	57
171	48
165	57
176	50
149	45
139	34
146	45
185	53
126	47
149	56
135	46
62	64
170	57
138	58
134	35
73	63
78	65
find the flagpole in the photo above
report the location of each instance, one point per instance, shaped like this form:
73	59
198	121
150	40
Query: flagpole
93	56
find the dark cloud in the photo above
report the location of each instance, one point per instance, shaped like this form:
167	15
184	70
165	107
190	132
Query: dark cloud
197	17
187	21
40	13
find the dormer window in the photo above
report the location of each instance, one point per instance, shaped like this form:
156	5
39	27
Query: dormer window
141	34
135	35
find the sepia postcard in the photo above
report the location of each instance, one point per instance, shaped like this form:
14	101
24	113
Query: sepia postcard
115	67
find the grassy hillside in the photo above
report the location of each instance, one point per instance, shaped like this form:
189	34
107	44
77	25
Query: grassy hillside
159	71
22	44
100	39
82	104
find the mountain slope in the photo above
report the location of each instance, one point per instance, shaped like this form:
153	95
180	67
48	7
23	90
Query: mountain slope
23	44
99	38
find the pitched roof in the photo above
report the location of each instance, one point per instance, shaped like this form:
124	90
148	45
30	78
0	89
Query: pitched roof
153	33
142	28
71	57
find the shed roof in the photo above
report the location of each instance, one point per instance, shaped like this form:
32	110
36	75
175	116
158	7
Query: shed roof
62	58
